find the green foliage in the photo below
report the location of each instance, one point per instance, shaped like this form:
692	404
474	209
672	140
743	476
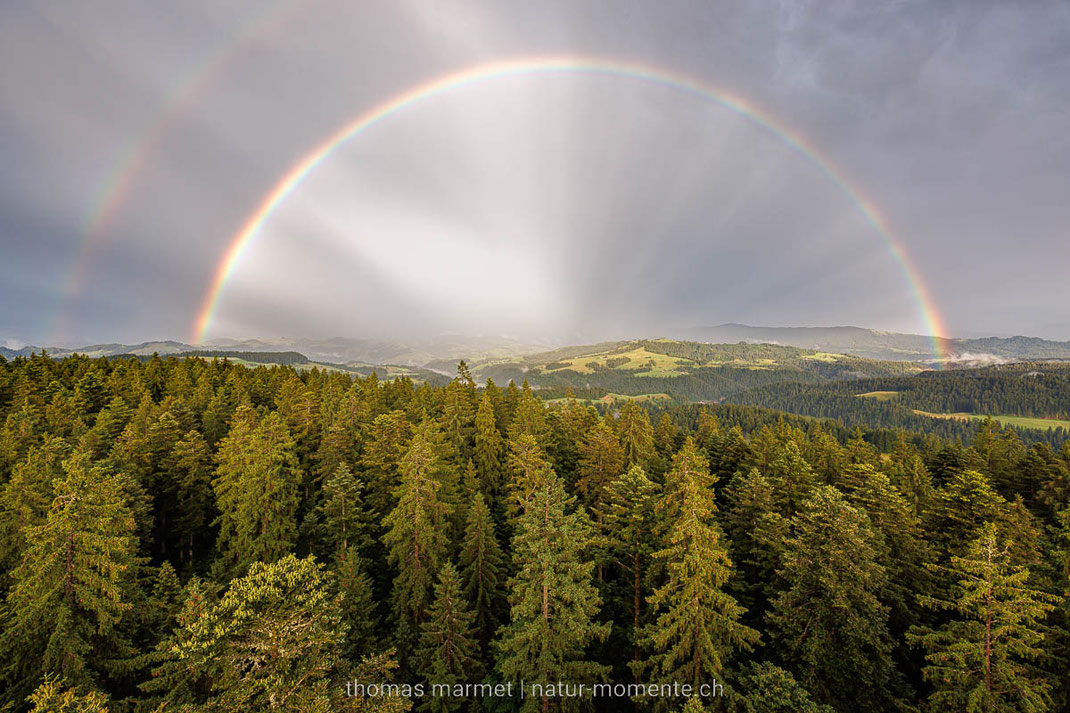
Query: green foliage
829	620
984	659
482	569
696	627
70	590
553	600
345	518
417	529
766	688
629	521
271	642
123	481
51	697
449	652
256	493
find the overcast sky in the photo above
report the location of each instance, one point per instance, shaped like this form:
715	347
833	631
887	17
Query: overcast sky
565	205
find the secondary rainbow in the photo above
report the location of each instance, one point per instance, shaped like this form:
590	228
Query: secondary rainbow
138	154
240	243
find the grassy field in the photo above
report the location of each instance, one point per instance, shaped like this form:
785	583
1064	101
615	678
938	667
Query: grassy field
880	395
611	399
639	360
1042	424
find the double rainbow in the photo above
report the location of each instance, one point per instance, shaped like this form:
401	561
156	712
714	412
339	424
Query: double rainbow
289	182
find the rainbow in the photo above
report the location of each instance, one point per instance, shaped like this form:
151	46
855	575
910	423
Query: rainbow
240	243
136	156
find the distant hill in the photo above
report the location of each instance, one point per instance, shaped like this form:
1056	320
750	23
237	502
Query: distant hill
448	348
681	370
876	344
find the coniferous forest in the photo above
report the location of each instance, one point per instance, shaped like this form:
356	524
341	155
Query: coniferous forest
196	535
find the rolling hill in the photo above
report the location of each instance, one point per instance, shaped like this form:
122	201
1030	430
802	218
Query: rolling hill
684	370
876	344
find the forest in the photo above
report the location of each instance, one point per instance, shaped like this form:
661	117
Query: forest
1038	389
191	534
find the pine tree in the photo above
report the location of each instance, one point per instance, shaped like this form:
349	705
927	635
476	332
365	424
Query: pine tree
829	620
256	491
482	568
489	452
553	600
70	591
696	627
449	652
417	531
983	659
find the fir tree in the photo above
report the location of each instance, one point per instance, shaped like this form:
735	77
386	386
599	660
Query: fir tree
271	642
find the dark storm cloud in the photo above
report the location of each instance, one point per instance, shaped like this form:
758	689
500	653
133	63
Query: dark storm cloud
621	208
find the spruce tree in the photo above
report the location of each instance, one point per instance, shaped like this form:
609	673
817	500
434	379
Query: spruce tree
26	498
256	489
345	518
417	532
629	521
191	465
482	569
554	603
636	434
601	460
448	653
488	456
51	697
829	620
71	589
767	688
357	609
984	658
696	627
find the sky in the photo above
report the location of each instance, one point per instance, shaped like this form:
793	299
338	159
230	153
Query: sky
893	165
